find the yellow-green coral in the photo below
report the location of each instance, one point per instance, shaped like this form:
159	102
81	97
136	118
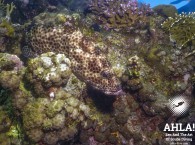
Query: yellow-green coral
9	10
9	28
181	28
14	131
60	18
5	20
33	114
24	90
2	6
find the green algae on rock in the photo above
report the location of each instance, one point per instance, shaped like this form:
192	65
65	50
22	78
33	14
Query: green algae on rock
5	23
5	121
165	10
10	131
9	29
11	68
42	114
131	77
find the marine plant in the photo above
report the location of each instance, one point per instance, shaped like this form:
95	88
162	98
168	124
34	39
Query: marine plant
119	14
181	28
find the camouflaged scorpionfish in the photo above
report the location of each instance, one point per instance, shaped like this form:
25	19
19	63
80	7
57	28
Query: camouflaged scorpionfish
87	64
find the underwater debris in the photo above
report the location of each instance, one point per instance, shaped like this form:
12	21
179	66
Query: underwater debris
181	28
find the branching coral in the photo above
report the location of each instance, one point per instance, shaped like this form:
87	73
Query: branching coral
7	8
181	28
120	14
2	7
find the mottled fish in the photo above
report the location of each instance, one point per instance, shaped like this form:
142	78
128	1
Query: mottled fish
89	65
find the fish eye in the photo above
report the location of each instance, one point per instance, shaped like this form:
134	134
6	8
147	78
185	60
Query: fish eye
97	50
106	74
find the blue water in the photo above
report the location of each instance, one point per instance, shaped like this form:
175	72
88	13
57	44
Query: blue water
181	5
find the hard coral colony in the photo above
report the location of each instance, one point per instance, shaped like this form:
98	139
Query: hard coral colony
120	14
64	81
177	29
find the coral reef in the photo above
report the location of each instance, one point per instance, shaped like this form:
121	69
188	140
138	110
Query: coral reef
45	100
165	10
120	14
6	27
130	78
11	68
5	124
10	132
27	9
7	9
123	125
48	70
47	126
9	39
178	31
51	120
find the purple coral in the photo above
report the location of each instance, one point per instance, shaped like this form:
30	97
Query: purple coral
113	7
119	13
18	64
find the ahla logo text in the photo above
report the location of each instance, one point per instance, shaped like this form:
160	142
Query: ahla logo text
179	127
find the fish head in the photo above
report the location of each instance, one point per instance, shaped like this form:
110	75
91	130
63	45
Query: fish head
98	73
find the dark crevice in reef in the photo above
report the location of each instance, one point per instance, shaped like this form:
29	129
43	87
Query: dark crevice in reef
103	102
